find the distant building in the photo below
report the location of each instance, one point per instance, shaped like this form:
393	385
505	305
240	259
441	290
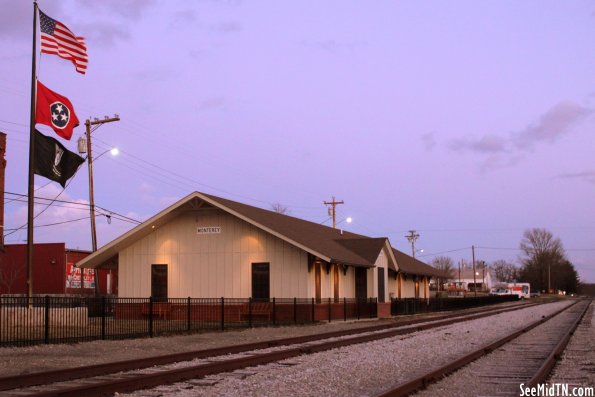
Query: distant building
483	278
207	246
53	271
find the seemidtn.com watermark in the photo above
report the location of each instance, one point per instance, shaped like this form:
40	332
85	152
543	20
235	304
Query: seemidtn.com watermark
556	390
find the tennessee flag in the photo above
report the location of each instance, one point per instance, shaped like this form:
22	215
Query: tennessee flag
56	111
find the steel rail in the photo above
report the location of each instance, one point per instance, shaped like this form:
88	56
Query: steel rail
139	381
549	363
27	380
421	382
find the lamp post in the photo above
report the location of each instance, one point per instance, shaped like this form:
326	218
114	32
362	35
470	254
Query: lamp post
483	275
474	275
84	147
88	150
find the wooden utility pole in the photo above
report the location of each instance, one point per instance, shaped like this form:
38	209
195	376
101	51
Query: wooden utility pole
88	125
332	210
474	280
412	237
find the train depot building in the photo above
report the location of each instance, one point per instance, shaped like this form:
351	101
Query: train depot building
205	246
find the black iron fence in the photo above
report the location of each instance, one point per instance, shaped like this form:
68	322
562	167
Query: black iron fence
51	319
414	306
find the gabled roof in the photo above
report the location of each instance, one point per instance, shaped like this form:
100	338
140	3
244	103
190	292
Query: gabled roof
467	273
410	265
326	243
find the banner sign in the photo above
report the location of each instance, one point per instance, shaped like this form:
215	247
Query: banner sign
73	277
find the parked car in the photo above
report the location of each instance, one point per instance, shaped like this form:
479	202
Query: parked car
500	291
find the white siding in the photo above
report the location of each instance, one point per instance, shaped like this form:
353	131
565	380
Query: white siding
408	288
381	261
347	283
214	265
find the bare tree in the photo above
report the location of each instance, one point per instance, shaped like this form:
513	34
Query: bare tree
445	264
538	242
280	208
10	272
545	265
504	271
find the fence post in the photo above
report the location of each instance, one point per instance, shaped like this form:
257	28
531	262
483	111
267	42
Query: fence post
47	320
274	313
294	310
374	306
222	314
312	309
329	310
103	318
344	309
151	316
250	312
188	314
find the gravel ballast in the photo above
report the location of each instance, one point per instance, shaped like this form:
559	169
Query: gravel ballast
360	370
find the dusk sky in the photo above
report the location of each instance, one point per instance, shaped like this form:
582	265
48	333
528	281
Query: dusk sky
468	121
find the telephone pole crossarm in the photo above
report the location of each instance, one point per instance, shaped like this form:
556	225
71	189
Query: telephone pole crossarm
333	209
412	238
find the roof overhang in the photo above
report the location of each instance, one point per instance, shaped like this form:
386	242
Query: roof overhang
105	253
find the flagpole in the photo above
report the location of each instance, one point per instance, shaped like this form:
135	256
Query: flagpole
31	191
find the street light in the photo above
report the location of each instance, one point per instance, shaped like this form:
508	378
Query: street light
348	220
84	146
113	151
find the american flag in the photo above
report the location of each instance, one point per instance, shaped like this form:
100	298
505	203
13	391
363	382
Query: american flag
57	39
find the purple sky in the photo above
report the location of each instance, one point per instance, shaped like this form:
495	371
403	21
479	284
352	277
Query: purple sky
467	121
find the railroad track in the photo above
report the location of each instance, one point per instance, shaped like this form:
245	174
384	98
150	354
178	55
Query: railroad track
524	357
106	379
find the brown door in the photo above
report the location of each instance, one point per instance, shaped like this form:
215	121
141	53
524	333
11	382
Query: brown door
261	281
317	281
336	283
159	282
380	284
361	283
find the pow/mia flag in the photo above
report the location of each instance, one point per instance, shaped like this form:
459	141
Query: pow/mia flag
56	111
53	160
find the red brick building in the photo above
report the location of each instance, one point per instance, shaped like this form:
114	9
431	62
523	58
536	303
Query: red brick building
53	271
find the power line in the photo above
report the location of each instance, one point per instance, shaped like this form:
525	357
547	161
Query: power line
445	252
55	223
85	205
164	170
52	201
519	249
